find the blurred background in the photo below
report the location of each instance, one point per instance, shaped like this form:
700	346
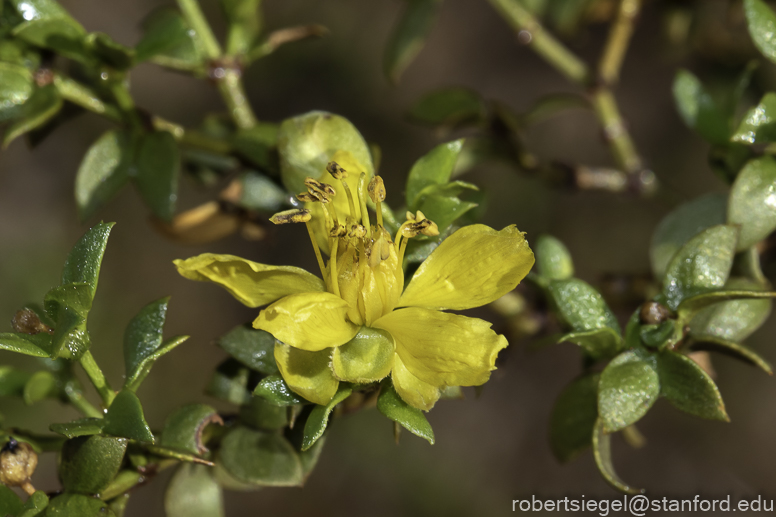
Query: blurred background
492	449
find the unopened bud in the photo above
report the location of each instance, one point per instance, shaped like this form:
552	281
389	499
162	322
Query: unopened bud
376	189
27	322
296	215
17	463
335	170
653	313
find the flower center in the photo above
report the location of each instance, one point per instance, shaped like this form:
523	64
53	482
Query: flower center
365	264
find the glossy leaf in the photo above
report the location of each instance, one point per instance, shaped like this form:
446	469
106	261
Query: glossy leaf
77	505
759	124
15	88
83	262
681	225
167	35
10	503
732	315
319	418
143	335
61	34
260	458
553	260
628	387
698	109
435	168
102	173
43	104
449	107
409	36
193	492
275	390
600	343
307	142
36	345
573	417
752	203
253	348
412	419
581	306
689	388
761	21
261	414
40	386
244	22
133	382
602	452
80	427
35	505
158	162
732	349
125	418
68	305
89	463
701	265
230	383
184	427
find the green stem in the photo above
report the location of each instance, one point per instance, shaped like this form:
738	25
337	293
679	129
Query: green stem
542	42
231	88
98	378
619	39
78	401
123	482
196	20
126	104
615	131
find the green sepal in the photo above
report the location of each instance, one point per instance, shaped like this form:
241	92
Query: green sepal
184	428
125	418
390	404
260	458
319	417
193	492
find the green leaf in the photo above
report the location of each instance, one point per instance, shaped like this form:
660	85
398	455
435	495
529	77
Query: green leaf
435	168
759	124
449	107
681	225
38	9
158	162
261	414
125	418
553	260
306	143
602	452
275	390
36	345
62	34
409	36
84	260
80	427
68	305
761	21
727	160
260	458
193	492
230	383
166	34
12	382
133	382
698	109
42	385
259	145
731	315
752	203
732	349
412	419
701	265
113	54
102	173
10	503
602	343
444	210
319	417
253	348
184	427
35	505
143	335
581	306
573	417
689	388
15	88
43	104
77	505
244	22
628	387
660	336
89	463
261	193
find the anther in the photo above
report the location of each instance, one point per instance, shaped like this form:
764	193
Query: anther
335	170
318	186
296	215
357	230
376	190
307	197
338	231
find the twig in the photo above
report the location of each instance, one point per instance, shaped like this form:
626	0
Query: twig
98	379
619	39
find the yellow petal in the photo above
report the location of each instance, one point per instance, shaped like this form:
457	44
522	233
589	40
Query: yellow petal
474	266
309	321
307	373
340	202
368	357
443	349
251	283
412	390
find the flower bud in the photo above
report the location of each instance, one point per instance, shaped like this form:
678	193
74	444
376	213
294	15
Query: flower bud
17	463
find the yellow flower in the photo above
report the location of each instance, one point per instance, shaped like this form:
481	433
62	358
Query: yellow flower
358	324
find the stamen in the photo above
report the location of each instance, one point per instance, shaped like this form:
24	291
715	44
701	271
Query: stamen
362	202
319	186
317	250
376	191
334	286
335	170
296	215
